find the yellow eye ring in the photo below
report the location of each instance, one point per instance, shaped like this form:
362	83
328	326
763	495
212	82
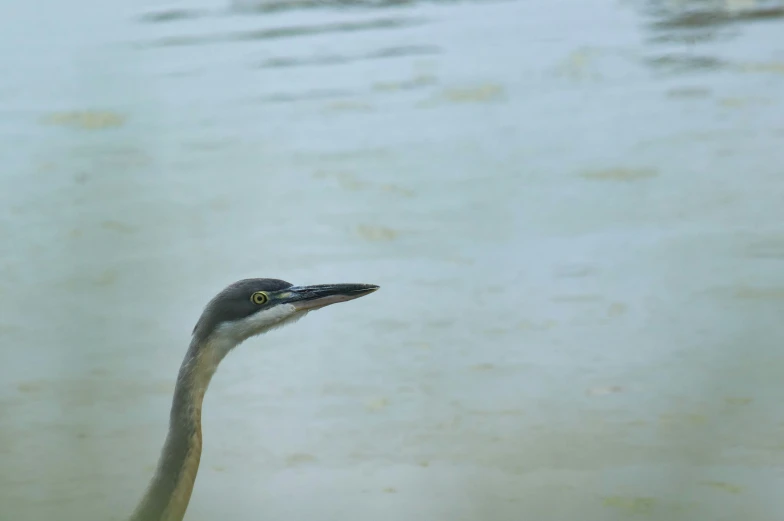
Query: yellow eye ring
259	298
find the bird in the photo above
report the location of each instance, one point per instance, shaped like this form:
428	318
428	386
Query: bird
244	309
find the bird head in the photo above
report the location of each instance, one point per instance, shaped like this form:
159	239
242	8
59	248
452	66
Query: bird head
251	307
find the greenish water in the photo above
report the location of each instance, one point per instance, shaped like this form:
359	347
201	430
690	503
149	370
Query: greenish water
573	210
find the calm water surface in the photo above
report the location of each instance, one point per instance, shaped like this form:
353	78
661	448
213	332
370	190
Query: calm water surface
573	210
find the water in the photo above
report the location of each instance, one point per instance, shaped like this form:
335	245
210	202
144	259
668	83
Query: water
572	208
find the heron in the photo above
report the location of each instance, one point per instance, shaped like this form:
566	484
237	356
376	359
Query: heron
244	309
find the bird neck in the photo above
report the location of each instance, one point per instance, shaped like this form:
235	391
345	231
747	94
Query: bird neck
169	492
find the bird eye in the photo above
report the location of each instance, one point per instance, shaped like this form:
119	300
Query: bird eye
259	298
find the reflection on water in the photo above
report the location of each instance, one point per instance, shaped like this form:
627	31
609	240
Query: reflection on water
710	14
576	227
692	25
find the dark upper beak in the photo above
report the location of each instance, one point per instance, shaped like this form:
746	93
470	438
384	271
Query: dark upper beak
308	298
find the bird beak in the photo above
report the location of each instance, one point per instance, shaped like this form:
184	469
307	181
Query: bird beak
308	298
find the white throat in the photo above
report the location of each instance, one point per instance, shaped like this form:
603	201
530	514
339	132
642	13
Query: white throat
230	334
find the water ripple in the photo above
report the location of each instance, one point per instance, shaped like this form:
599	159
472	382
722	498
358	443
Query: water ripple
252	7
388	52
171	15
716	16
288	32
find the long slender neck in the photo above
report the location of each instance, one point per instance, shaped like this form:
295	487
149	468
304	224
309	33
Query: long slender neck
169	492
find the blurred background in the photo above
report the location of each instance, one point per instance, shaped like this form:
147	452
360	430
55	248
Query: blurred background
573	209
